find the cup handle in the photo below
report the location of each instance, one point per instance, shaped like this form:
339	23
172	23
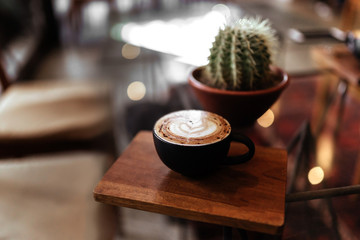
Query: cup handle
231	160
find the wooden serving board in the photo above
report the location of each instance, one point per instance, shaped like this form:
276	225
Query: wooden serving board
250	196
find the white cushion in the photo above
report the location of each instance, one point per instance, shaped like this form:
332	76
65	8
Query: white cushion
58	109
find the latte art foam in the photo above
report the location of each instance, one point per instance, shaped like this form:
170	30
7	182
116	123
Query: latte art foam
192	127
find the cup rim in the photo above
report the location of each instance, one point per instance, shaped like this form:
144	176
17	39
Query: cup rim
190	145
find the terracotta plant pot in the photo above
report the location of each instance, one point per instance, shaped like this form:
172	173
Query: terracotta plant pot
240	108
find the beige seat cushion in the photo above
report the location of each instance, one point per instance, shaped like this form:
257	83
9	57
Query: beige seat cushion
54	109
50	197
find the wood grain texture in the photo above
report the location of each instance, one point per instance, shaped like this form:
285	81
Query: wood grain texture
250	196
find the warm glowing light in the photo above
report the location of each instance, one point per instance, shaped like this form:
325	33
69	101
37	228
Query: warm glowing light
189	39
130	52
267	119
356	33
136	91
325	151
316	175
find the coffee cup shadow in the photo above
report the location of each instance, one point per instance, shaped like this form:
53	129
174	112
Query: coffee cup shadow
224	185
240	158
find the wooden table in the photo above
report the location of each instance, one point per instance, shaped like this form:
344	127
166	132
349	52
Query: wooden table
339	59
249	196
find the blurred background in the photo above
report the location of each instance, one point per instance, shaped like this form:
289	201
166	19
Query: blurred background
112	40
143	50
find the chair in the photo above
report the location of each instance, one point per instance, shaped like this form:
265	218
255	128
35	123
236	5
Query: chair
50	133
39	115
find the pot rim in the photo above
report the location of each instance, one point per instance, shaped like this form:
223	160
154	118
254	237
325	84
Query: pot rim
283	84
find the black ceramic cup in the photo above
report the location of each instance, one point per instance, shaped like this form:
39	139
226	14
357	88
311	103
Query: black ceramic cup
195	142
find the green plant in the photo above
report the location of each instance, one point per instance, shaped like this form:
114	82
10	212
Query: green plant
241	56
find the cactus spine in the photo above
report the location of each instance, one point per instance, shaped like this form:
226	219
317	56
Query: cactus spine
241	56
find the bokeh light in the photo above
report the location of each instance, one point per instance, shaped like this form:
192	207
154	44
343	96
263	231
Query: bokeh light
223	9
124	6
115	31
136	91
129	51
267	119
316	175
96	14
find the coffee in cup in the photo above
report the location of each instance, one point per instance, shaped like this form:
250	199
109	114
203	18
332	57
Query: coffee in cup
196	142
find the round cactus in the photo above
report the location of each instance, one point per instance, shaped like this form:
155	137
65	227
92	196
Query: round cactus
241	56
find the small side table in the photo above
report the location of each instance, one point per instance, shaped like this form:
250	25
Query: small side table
250	196
339	59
